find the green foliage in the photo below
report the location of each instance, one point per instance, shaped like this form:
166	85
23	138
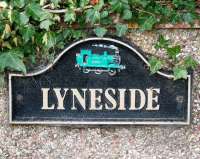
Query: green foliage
100	32
70	16
12	61
190	63
174	51
31	28
121	29
179	66
180	72
162	43
148	23
155	64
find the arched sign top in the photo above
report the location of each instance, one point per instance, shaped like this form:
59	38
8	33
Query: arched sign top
132	48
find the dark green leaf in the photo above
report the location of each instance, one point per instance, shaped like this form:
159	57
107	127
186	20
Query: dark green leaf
162	43
27	33
37	13
173	51
19	3
11	60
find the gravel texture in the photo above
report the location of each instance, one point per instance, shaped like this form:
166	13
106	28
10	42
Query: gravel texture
134	142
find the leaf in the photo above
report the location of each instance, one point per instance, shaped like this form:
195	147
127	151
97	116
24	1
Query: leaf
23	18
70	16
11	60
83	3
100	32
116	5
155	64
37	13
19	3
127	14
162	43
173	51
179	73
189	62
104	14
92	15
121	29
148	23
49	39
46	24
189	18
27	33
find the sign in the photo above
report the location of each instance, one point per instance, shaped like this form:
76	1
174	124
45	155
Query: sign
99	81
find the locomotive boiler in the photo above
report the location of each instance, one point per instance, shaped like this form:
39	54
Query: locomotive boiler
87	61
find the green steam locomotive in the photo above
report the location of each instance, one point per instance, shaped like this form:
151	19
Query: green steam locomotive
98	63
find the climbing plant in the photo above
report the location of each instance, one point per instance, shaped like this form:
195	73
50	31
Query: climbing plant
31	31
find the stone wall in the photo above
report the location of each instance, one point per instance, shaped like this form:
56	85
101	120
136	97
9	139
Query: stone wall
147	142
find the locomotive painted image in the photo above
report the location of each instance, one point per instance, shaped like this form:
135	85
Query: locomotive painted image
99	63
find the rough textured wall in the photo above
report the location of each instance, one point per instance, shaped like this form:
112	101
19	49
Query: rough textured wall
147	142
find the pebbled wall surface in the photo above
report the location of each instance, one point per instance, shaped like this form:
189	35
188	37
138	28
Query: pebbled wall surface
134	142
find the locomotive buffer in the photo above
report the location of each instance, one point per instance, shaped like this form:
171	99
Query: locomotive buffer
87	61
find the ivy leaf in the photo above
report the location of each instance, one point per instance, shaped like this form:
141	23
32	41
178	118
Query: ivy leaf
121	29
104	14
173	51
148	23
70	16
37	13
92	15
100	32
116	5
189	62
49	39
189	18
127	14
27	33
83	3
180	72
19	3
162	43
23	18
12	61
46	24
155	64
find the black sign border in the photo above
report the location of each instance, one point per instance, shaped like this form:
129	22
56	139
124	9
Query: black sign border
126	44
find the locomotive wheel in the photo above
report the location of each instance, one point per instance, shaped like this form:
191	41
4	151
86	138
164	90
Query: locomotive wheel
98	72
112	72
85	70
